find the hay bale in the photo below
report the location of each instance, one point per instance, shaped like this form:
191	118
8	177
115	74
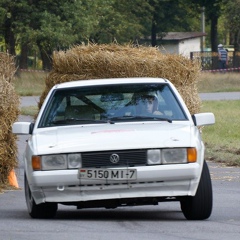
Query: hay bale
9	111
9	108
115	61
7	67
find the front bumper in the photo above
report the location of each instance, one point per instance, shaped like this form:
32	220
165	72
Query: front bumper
152	181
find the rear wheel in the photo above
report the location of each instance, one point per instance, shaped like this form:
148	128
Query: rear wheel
199	207
43	210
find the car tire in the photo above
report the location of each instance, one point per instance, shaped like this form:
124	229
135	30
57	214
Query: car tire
199	207
43	210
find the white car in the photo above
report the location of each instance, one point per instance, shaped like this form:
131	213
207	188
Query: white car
116	142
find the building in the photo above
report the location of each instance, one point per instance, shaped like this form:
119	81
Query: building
178	42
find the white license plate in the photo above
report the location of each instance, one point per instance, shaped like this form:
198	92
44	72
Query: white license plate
111	174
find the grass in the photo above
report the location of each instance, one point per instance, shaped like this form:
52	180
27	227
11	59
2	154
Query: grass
222	139
31	110
219	82
30	83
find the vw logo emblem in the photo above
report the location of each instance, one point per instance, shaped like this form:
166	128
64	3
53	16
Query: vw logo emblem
114	158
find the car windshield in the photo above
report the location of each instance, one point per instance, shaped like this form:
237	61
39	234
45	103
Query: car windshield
112	103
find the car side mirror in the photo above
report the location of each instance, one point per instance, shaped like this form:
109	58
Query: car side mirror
31	128
22	128
203	119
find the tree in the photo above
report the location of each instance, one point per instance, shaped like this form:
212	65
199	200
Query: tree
52	25
213	10
170	15
122	21
49	25
8	9
231	10
50	28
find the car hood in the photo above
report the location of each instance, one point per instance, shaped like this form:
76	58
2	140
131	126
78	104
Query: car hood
101	137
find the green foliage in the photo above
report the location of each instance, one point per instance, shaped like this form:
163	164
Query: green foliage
170	16
232	20
232	9
120	20
57	24
213	11
213	7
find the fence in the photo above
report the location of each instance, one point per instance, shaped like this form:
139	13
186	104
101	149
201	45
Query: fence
209	61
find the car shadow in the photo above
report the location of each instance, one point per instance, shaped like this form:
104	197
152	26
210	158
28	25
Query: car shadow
121	214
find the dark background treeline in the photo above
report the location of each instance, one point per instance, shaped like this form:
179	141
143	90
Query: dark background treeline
33	29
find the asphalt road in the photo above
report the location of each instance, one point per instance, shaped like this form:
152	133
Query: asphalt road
220	96
164	221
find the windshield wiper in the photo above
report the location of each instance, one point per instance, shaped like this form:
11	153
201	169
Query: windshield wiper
70	120
152	118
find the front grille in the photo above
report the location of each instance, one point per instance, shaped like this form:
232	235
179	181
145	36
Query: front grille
128	158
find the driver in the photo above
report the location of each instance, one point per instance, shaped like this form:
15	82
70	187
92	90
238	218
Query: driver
147	103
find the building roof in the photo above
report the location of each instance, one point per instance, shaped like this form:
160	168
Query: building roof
182	35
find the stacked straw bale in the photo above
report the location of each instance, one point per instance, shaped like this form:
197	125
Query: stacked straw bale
9	111
116	61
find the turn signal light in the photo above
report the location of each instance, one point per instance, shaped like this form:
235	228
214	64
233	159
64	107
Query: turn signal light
192	155
36	163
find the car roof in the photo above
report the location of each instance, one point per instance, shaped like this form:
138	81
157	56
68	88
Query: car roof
106	81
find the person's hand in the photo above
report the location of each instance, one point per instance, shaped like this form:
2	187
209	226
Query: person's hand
157	113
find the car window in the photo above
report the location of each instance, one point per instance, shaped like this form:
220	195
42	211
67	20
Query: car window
122	102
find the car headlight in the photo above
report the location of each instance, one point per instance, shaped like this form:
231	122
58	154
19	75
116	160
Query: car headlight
174	155
153	156
171	156
74	160
56	162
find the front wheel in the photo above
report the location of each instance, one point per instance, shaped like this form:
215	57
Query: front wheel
199	207
43	210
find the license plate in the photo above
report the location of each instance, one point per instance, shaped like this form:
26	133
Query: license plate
110	174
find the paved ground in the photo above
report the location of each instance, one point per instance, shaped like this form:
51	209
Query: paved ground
220	96
29	101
